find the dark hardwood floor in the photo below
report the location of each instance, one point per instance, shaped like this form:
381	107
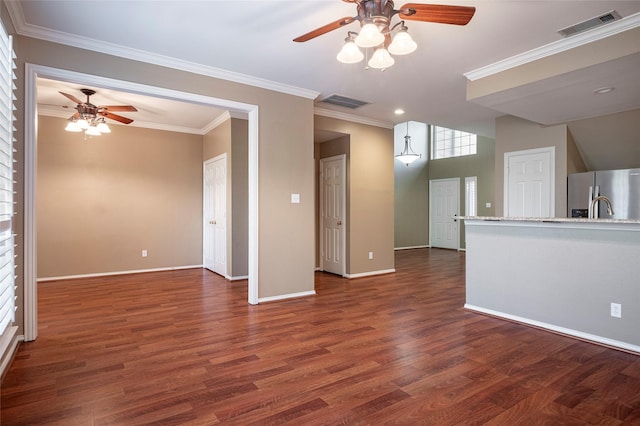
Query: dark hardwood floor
184	347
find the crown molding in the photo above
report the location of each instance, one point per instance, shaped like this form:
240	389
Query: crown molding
216	122
617	27
34	31
351	117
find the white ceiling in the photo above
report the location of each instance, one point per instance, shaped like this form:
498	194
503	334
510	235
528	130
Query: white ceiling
251	41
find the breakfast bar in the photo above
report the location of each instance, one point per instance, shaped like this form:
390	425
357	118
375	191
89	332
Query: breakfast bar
579	277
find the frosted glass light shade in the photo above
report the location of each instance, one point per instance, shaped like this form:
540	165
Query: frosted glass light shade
350	53
103	128
84	124
407	158
93	131
72	126
402	44
381	59
370	36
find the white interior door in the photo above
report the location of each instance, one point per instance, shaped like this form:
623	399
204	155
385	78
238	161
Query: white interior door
444	196
529	180
214	256
333	212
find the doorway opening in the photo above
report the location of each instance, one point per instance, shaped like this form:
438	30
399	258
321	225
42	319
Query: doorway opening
33	72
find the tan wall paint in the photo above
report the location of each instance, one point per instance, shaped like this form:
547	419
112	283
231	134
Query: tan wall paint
371	199
240	201
285	132
103	200
517	134
575	162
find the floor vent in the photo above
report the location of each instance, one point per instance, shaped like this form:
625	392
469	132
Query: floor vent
343	101
590	23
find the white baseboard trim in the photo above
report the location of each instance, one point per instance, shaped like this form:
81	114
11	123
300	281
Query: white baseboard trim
238	278
411	247
287	296
557	329
462	249
369	274
107	274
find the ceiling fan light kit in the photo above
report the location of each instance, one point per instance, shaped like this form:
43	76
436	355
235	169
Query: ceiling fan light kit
375	32
91	118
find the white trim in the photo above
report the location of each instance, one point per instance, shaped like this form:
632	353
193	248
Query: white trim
254	200
412	247
9	348
370	273
32	72
115	273
562	330
216	122
555	47
551	150
237	278
287	296
351	117
343	230
34	31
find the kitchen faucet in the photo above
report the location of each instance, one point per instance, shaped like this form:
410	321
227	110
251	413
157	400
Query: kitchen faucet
592	210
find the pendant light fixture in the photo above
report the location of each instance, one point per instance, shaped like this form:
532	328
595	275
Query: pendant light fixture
407	156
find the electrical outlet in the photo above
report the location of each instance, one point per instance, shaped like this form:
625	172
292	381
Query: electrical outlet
370	255
144	253
616	310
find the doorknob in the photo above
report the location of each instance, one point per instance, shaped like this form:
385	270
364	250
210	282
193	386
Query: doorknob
339	222
212	222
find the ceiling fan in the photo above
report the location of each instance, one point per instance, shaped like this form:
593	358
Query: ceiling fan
88	111
376	31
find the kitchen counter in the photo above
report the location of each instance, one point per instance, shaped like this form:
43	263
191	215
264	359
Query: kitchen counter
576	220
561	274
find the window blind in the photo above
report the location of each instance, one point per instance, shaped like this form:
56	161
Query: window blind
7	249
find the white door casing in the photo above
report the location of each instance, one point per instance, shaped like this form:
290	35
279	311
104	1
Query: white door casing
333	214
444	204
214	247
529	183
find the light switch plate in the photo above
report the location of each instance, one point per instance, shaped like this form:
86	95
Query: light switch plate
295	198
488	205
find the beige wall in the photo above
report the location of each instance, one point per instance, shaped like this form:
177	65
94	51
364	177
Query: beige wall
517	134
371	200
240	202
575	162
285	131
103	200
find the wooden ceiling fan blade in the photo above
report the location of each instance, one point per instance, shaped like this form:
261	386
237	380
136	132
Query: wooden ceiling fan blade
325	29
439	13
71	98
116	117
118	108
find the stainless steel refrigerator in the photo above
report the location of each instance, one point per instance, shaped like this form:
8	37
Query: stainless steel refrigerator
621	187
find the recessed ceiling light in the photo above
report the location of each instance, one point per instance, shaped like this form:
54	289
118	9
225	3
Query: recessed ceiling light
603	90
399	111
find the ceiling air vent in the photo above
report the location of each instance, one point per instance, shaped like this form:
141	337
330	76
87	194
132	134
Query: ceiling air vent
590	23
343	101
